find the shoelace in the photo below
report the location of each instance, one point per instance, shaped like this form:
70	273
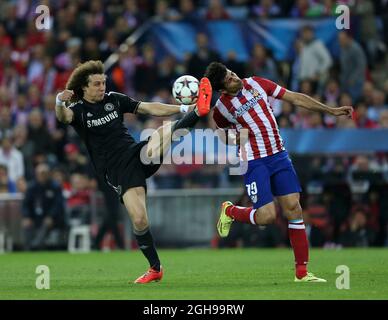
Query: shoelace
145	274
149	272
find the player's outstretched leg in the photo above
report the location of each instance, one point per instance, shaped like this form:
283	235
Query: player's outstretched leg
202	107
160	140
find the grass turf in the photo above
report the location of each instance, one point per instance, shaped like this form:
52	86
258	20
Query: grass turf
229	274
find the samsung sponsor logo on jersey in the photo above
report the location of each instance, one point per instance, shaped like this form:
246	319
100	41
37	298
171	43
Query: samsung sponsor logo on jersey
101	121
249	104
246	106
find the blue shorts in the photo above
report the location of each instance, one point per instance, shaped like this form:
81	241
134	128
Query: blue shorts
270	176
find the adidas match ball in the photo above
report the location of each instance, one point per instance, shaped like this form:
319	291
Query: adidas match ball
185	89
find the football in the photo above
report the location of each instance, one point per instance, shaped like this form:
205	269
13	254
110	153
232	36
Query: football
185	89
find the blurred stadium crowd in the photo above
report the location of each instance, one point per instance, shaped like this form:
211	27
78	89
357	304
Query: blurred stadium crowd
35	65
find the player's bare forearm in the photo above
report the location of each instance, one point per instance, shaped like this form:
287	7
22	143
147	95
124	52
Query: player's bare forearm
163	109
159	109
310	103
307	102
63	114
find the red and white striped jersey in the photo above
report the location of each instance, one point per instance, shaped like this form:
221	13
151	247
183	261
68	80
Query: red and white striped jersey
251	109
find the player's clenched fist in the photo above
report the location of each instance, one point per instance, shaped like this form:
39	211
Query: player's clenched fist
65	95
343	111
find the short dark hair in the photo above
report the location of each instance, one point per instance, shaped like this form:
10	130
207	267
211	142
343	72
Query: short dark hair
80	77
216	73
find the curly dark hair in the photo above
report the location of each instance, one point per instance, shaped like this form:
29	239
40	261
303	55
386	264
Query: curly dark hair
79	78
216	73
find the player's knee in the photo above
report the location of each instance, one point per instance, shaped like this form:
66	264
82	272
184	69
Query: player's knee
154	154
293	210
152	150
140	222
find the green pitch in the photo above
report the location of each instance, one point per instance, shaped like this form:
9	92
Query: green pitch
195	274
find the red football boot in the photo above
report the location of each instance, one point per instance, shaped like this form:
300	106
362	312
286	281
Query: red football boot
150	275
204	97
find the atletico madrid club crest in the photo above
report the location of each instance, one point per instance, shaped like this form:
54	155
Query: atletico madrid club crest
254	92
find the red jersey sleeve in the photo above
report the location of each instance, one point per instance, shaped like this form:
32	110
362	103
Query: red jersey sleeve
271	88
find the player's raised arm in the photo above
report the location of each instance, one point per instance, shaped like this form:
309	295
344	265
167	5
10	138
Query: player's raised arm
161	109
183	93
64	114
307	102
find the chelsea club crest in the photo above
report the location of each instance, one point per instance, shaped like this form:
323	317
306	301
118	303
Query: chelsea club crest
109	107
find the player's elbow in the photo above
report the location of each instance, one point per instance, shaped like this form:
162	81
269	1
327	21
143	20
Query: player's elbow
298	99
63	114
291	97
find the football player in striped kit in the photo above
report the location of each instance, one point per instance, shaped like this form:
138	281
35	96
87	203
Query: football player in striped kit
244	104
